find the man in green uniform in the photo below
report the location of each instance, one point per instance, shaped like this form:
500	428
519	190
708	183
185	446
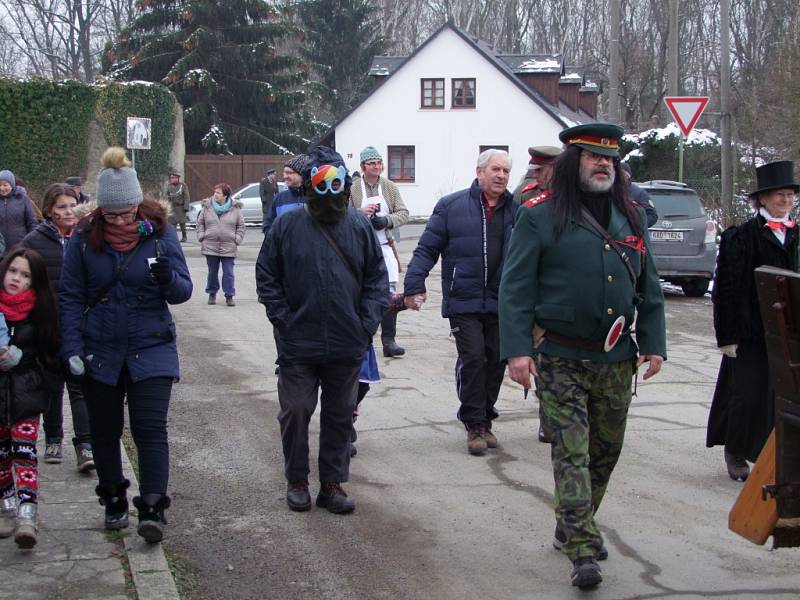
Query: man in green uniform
579	267
179	200
539	173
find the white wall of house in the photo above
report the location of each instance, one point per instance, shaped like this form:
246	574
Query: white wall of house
446	140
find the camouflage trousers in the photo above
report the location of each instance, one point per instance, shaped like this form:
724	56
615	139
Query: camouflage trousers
585	406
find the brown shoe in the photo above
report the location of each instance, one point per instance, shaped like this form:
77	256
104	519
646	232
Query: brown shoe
476	444
332	497
491	439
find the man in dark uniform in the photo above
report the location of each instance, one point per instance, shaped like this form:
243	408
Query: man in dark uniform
540	171
267	189
180	202
579	267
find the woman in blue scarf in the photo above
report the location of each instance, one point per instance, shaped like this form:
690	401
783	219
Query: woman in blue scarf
220	230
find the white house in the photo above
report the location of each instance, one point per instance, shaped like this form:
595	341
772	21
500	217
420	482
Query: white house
433	112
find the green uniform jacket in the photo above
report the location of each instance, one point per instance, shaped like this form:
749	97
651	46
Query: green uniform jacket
577	287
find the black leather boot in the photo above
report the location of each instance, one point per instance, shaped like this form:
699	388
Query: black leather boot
388	332
115	500
151	516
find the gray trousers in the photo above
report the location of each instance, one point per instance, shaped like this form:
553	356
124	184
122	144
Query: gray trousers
298	386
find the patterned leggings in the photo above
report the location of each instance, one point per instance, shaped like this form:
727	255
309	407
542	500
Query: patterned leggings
18	459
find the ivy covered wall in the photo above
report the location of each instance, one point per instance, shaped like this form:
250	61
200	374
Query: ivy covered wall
44	129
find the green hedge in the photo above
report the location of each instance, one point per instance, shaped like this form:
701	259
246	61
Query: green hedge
117	101
44	127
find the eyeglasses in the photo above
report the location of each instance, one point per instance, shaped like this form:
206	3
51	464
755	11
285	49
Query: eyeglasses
373	163
595	157
126	217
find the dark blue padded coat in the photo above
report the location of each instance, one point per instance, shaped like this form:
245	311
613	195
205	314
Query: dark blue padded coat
457	232
134	327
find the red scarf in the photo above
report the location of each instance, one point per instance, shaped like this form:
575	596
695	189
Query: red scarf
16	307
122	238
779	225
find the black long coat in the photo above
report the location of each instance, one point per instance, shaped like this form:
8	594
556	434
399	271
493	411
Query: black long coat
742	412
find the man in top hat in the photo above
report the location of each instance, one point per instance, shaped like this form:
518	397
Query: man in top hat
326	318
580	268
742	411
540	171
179	200
267	189
76	183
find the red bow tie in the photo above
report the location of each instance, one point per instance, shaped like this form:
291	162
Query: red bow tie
779	225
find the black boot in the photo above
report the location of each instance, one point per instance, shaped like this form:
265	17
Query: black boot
151	516
115	500
388	332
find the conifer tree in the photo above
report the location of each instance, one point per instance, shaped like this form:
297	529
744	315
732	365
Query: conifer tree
239	93
342	37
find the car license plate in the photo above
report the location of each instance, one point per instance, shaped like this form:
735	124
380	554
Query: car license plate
666	236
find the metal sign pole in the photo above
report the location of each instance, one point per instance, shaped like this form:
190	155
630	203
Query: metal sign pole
133	158
680	158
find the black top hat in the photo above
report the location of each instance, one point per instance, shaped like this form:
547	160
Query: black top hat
776	175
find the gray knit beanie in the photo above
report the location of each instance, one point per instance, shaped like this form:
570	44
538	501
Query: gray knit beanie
297	164
117	184
6	175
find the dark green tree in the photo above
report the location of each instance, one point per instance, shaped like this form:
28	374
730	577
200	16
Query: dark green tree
341	39
220	57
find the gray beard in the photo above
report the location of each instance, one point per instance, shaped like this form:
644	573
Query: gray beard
588	184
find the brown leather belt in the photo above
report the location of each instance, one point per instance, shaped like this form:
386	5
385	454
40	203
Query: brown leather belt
575	342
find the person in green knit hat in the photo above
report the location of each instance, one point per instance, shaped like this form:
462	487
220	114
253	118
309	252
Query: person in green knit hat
579	275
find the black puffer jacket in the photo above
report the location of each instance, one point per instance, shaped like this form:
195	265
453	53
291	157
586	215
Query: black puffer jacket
744	248
47	242
312	297
25	390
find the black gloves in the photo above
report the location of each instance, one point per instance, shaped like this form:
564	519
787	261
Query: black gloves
161	271
379	223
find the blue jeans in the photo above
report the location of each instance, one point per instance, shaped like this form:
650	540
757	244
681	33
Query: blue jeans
212	286
148	404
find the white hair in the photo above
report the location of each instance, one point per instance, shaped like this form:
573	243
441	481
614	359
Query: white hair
485	157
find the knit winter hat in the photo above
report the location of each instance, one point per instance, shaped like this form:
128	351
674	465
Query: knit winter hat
8	176
370	153
117	183
297	164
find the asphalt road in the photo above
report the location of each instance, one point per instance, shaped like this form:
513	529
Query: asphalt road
432	521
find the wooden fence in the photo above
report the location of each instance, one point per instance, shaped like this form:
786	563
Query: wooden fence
204	171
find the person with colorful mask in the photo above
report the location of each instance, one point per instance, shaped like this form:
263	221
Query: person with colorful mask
742	412
325	322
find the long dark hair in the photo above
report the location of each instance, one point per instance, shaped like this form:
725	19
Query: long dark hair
567	192
45	312
94	224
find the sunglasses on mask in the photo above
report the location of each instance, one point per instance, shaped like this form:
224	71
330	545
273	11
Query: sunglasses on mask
328	179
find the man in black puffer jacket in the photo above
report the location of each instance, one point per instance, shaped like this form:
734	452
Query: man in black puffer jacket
321	276
470	229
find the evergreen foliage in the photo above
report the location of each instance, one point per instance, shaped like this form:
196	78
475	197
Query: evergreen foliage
342	37
44	129
220	58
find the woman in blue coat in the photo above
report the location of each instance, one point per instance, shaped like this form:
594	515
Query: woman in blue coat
123	266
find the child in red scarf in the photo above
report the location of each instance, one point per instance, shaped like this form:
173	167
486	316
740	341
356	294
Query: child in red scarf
28	305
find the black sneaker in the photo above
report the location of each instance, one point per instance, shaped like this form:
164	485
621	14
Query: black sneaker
297	496
560	538
332	497
586	572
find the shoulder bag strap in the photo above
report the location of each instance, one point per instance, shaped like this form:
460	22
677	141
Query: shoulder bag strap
341	254
602	231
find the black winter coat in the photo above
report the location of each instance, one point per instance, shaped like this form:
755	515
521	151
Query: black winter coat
744	248
17	218
25	390
47	242
312	297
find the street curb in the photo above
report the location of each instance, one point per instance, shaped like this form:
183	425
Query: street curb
150	572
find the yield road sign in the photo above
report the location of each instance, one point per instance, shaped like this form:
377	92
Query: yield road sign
686	110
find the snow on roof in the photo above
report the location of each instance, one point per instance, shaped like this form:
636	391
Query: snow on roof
538	66
697	137
572	77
